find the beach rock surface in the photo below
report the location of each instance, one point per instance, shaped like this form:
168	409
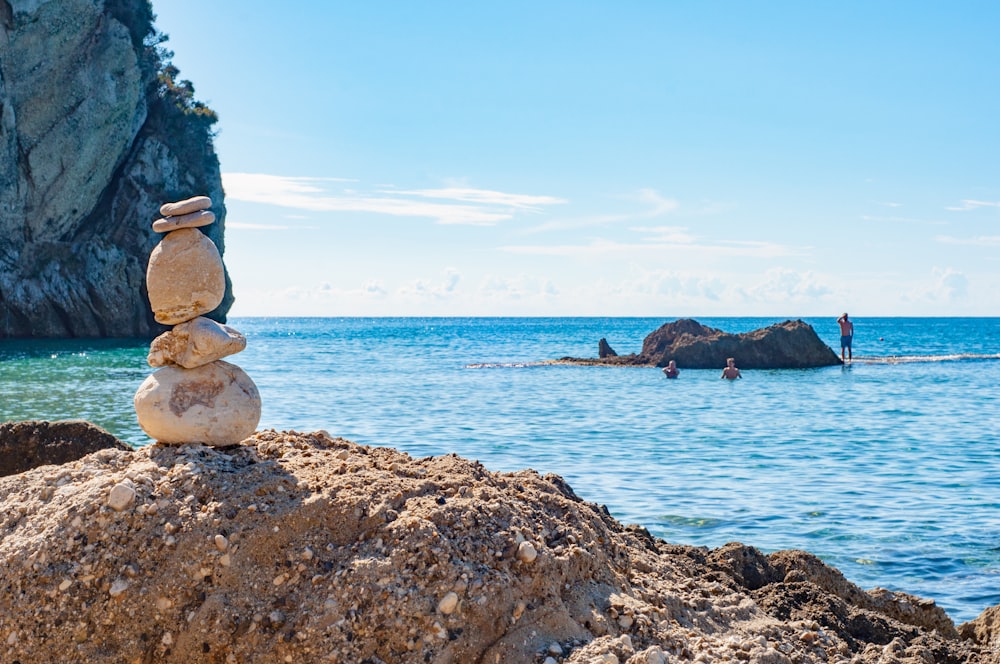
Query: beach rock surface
95	132
185	277
27	445
308	548
215	404
792	344
195	343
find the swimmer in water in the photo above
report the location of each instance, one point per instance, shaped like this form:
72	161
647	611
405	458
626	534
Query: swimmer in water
731	372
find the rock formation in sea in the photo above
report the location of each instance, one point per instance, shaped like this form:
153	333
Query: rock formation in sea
27	445
792	344
308	548
95	131
604	349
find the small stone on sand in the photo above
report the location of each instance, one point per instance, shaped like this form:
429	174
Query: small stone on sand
448	603
121	497
526	552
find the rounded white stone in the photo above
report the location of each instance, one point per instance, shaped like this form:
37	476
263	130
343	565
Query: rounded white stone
526	552
121	497
194	343
191	220
185	277
186	206
448	603
654	655
215	404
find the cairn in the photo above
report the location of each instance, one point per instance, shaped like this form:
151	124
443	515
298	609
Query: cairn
194	397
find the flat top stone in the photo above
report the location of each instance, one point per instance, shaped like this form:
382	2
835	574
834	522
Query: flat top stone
186	206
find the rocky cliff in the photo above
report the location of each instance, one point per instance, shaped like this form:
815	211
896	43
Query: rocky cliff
95	133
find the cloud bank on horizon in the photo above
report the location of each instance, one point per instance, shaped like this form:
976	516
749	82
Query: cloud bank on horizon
648	159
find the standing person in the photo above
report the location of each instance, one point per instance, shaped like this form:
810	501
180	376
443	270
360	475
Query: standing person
671	370
731	372
846	337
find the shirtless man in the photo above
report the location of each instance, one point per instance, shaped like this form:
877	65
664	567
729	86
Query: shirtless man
846	336
731	372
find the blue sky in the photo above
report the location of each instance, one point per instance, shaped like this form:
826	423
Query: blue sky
597	158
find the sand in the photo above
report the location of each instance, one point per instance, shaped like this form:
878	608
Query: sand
307	548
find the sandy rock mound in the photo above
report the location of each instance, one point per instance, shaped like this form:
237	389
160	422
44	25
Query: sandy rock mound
305	548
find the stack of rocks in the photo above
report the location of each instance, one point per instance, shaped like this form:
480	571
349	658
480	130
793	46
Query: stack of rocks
195	397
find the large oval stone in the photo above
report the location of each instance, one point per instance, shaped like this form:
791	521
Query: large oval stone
185	277
215	404
194	343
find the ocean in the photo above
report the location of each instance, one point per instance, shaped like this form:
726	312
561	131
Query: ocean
888	469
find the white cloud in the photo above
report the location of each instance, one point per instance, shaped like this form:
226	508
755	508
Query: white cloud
677	287
424	289
784	285
653	205
946	285
373	287
254	227
579	222
516	288
981	241
666	234
303	300
658	204
968	204
899	220
484	196
677	241
478	207
953	285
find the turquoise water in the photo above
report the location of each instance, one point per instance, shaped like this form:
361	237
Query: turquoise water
887	469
